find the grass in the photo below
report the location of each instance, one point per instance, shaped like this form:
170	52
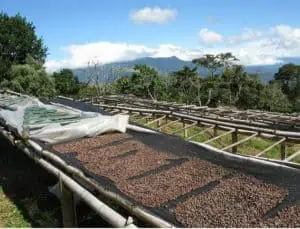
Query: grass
24	197
10	215
252	147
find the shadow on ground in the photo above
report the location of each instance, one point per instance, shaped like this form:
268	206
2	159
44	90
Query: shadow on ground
26	185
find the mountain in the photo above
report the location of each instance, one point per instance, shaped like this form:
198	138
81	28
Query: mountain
165	65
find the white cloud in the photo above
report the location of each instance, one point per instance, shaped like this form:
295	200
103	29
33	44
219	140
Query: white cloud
252	47
247	34
209	37
107	52
153	15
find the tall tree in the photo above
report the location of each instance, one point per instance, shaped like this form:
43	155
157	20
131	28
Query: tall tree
146	82
18	39
66	83
186	85
210	62
288	76
227	59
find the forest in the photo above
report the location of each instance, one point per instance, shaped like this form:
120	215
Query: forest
23	54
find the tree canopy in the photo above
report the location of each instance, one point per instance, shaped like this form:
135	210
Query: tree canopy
30	78
66	83
18	39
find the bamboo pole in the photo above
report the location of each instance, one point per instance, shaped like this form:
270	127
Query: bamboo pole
168	124
184	128
155	120
270	147
217	137
241	141
145	117
221	123
201	132
292	156
108	214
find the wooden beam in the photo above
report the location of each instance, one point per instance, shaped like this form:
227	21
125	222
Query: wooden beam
217	137
155	120
145	117
282	150
241	141
293	156
270	147
234	139
184	128
201	132
168	124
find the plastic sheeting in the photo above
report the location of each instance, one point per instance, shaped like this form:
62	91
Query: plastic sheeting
56	123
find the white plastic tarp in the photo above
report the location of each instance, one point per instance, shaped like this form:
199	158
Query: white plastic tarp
90	124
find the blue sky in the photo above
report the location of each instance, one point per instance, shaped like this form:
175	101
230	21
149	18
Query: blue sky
78	30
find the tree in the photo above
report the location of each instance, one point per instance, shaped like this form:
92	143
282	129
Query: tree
227	59
30	78
210	62
146	82
273	99
66	83
235	77
122	85
18	39
186	85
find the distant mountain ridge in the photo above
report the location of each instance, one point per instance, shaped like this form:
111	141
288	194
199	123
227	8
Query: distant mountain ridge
166	65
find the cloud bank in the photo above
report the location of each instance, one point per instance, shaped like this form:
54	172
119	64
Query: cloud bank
252	47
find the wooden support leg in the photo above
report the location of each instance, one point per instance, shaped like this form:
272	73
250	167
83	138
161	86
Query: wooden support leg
68	206
157	122
234	137
282	150
215	131
185	130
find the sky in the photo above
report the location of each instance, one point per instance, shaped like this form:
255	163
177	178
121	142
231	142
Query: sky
77	32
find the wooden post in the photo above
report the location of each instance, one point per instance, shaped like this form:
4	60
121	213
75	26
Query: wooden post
282	150
216	131
68	206
185	130
234	137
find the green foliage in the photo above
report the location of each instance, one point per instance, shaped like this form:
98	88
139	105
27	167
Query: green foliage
66	83
30	78
210	62
145	82
288	77
18	40
185	85
273	99
230	87
123	85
